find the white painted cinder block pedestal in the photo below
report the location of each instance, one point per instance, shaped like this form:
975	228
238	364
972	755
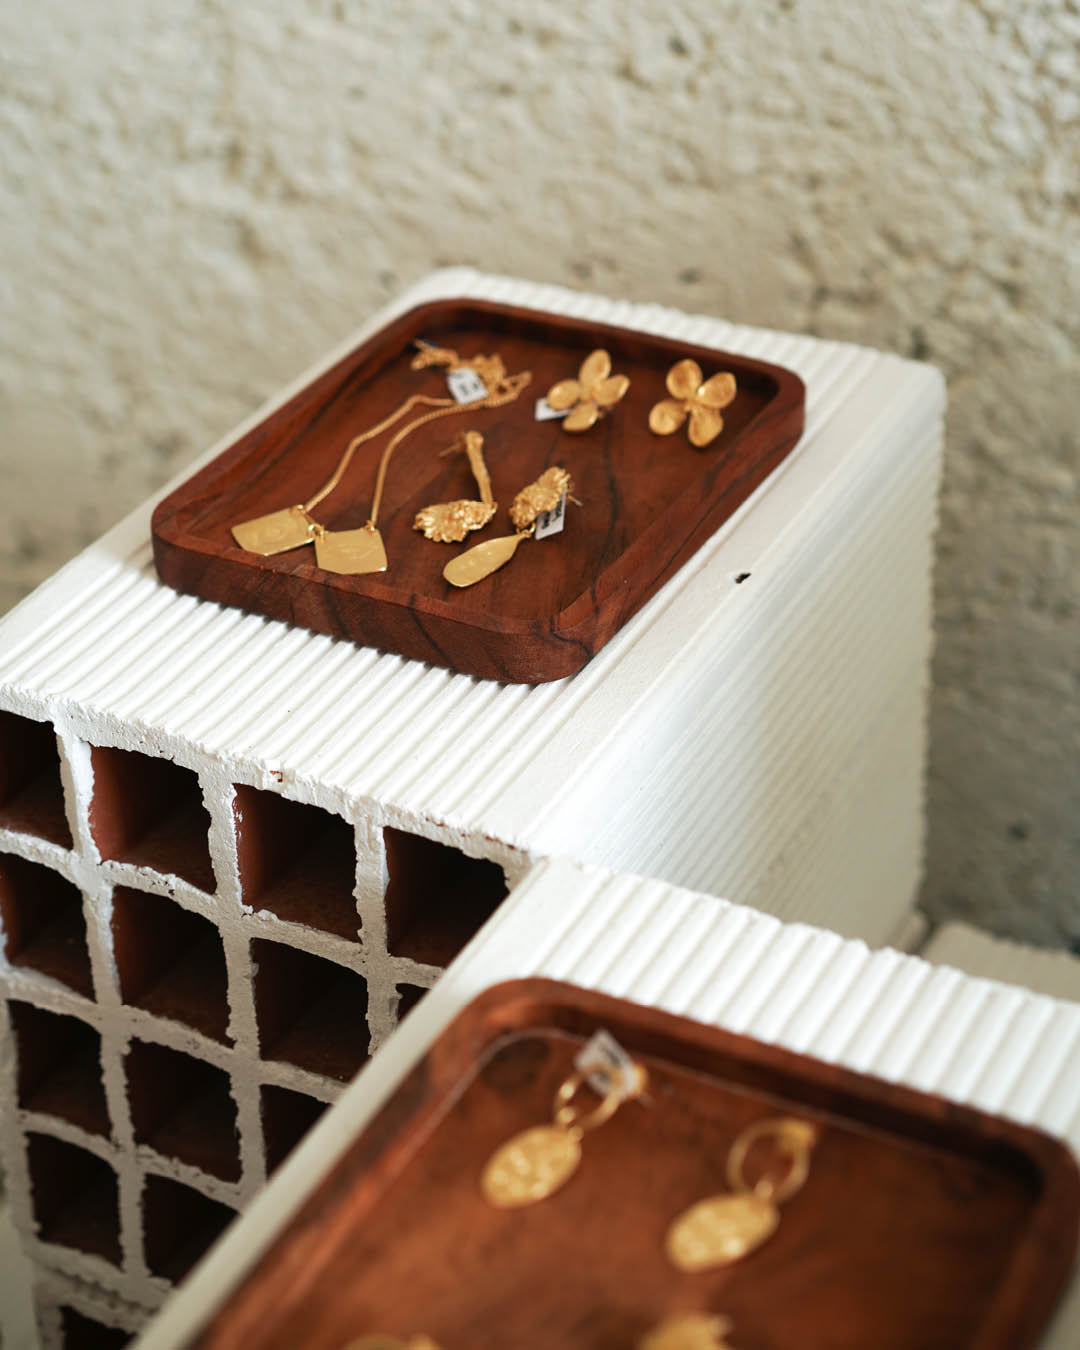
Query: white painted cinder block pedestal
760	738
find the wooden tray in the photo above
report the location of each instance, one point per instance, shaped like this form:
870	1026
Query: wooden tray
649	501
923	1225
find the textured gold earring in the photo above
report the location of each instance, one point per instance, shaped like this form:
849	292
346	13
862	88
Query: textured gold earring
594	392
381	1342
693	397
540	1160
450	522
724	1228
538	510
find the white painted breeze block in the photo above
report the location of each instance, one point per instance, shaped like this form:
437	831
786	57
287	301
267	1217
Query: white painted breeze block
762	739
972	1040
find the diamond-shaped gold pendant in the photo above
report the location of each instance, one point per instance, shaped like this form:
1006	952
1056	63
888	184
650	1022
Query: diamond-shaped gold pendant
350	552
275	533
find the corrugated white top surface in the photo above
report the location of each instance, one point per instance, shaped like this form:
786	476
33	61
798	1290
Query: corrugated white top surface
333	719
991	1045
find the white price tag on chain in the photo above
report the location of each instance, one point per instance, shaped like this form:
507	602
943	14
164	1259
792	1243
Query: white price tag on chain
465	385
551	522
607	1066
546	413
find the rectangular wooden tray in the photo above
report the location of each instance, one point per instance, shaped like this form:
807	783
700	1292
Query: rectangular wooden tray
923	1225
649	502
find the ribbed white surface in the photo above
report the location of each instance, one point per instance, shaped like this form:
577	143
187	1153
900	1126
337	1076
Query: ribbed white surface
1050	972
1004	1049
695	746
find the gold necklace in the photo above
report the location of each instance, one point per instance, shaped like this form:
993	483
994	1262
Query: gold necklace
354	552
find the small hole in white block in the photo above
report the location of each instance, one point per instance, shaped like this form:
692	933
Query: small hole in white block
31	793
75	1197
178	1225
286	1118
59	1067
183	1108
44	928
83	1333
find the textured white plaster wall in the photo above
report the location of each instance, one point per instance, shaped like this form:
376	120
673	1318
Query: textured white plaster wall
198	196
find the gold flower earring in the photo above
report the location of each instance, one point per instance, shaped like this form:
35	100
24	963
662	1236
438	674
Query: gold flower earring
594	392
693	397
537	511
450	522
724	1228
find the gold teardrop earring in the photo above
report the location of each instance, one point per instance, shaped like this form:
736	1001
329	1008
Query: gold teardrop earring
538	509
358	551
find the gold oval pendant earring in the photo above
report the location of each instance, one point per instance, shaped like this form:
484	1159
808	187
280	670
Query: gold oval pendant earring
725	1228
540	1160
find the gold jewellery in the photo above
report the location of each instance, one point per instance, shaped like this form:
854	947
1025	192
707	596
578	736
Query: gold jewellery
691	1331
541	1160
594	392
693	397
381	1342
724	1228
450	522
547	494
353	552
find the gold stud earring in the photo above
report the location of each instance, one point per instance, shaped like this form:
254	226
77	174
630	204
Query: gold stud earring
693	397
450	522
693	1331
539	1161
594	392
538	510
724	1228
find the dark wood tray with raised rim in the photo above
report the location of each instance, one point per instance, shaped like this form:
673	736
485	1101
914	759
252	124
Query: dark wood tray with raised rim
923	1225
649	502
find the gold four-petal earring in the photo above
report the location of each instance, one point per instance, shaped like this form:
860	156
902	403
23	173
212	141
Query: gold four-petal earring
540	1160
450	522
724	1228
690	1331
694	397
354	552
594	392
547	495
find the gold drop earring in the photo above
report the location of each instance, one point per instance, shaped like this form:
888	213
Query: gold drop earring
539	1161
450	522
537	510
358	551
724	1228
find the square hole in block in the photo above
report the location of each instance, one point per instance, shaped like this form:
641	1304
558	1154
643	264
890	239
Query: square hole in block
310	1012
286	1118
409	995
44	927
31	793
179	1224
59	1067
437	897
296	861
83	1333
183	1108
75	1197
170	961
150	812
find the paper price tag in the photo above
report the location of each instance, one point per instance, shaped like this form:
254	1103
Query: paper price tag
465	385
606	1065
546	413
551	522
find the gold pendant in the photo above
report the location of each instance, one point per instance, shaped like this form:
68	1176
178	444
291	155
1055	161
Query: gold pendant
722	1229
275	533
531	1166
350	552
481	560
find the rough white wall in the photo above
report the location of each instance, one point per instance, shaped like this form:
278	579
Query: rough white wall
199	195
